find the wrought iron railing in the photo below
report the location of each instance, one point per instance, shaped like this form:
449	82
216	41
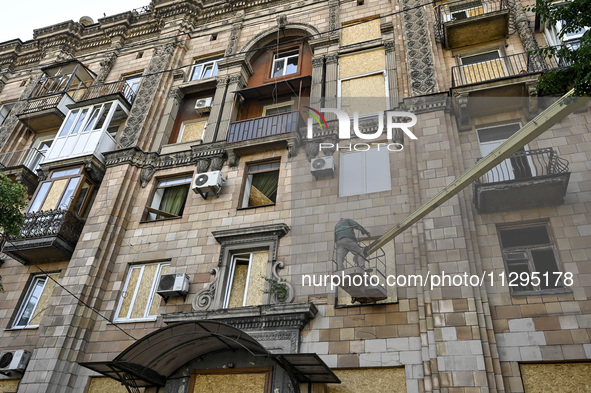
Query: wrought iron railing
261	127
500	68
29	158
463	10
119	87
49	223
58	84
526	164
41	104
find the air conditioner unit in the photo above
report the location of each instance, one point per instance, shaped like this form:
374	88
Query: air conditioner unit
208	182
203	104
14	362
322	166
173	285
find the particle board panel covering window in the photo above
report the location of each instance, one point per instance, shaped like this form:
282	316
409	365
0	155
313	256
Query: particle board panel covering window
246	279
252	380
106	385
139	300
556	377
192	130
8	385
376	380
361	76
360	31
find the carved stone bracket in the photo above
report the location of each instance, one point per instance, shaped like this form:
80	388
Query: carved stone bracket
204	298
463	113
203	165
281	291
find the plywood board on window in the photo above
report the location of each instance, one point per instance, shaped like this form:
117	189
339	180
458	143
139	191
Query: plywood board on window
258	272
145	290
238	286
157	299
360	32
55	194
193	131
230	383
375	380
128	294
355	93
556	377
362	63
44	299
8	385
106	385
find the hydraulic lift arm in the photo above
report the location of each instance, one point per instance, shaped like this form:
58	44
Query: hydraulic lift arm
549	117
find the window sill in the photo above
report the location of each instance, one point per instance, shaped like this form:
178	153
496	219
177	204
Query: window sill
22	328
153	319
544	292
254	207
162	219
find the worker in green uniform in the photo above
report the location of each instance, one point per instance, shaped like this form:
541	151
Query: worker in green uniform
346	242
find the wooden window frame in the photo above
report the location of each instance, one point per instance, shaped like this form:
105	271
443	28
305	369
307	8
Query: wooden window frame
245	178
148	209
290	47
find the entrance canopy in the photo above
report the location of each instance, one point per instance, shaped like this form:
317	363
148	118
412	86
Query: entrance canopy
154	358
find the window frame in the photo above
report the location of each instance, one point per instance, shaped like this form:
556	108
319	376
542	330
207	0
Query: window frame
151	299
243	191
5	109
278	105
27	299
134	86
366	168
147	212
287	48
213	61
280	57
534	290
185	123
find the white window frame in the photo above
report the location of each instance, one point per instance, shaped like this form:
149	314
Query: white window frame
155	282
204	65
365	170
230	280
184	125
277	57
157	196
278	105
448	17
27	299
5	111
36	159
248	183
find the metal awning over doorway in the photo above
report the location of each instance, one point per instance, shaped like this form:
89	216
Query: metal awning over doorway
152	359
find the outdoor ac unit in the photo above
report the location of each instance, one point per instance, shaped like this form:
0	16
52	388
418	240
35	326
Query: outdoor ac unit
208	182
173	285
14	362
322	166
203	104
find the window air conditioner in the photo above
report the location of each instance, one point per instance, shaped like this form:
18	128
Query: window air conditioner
203	104
173	285
14	362
208	182
322	166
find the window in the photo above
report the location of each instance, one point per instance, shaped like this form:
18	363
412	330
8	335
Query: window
364	172
66	189
168	200
192	130
518	166
528	249
285	64
4	111
138	300
276	109
482	67
204	69
35	301
42	146
464	10
133	81
260	187
245	284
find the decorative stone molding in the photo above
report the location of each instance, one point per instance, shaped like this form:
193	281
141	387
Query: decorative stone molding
106	66
333	17
284	295
202	165
232	47
204	298
12	120
425	104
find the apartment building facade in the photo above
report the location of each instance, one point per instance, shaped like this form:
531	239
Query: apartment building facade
183	193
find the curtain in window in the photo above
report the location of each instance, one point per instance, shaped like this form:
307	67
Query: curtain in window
173	199
266	183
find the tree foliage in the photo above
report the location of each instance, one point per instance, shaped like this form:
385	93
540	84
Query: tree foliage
576	70
12	201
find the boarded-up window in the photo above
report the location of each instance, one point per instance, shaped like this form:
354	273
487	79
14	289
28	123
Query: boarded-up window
360	31
8	385
139	300
36	301
254	380
260	187
106	385
246	279
192	130
556	377
375	380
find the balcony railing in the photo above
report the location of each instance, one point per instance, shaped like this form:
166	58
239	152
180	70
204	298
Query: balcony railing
464	10
119	87
51	223
41	104
527	164
28	158
57	85
266	126
500	68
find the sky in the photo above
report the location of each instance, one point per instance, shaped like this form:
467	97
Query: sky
21	17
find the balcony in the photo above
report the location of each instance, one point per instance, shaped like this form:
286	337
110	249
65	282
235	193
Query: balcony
107	92
21	166
60	86
471	22
46	236
528	179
